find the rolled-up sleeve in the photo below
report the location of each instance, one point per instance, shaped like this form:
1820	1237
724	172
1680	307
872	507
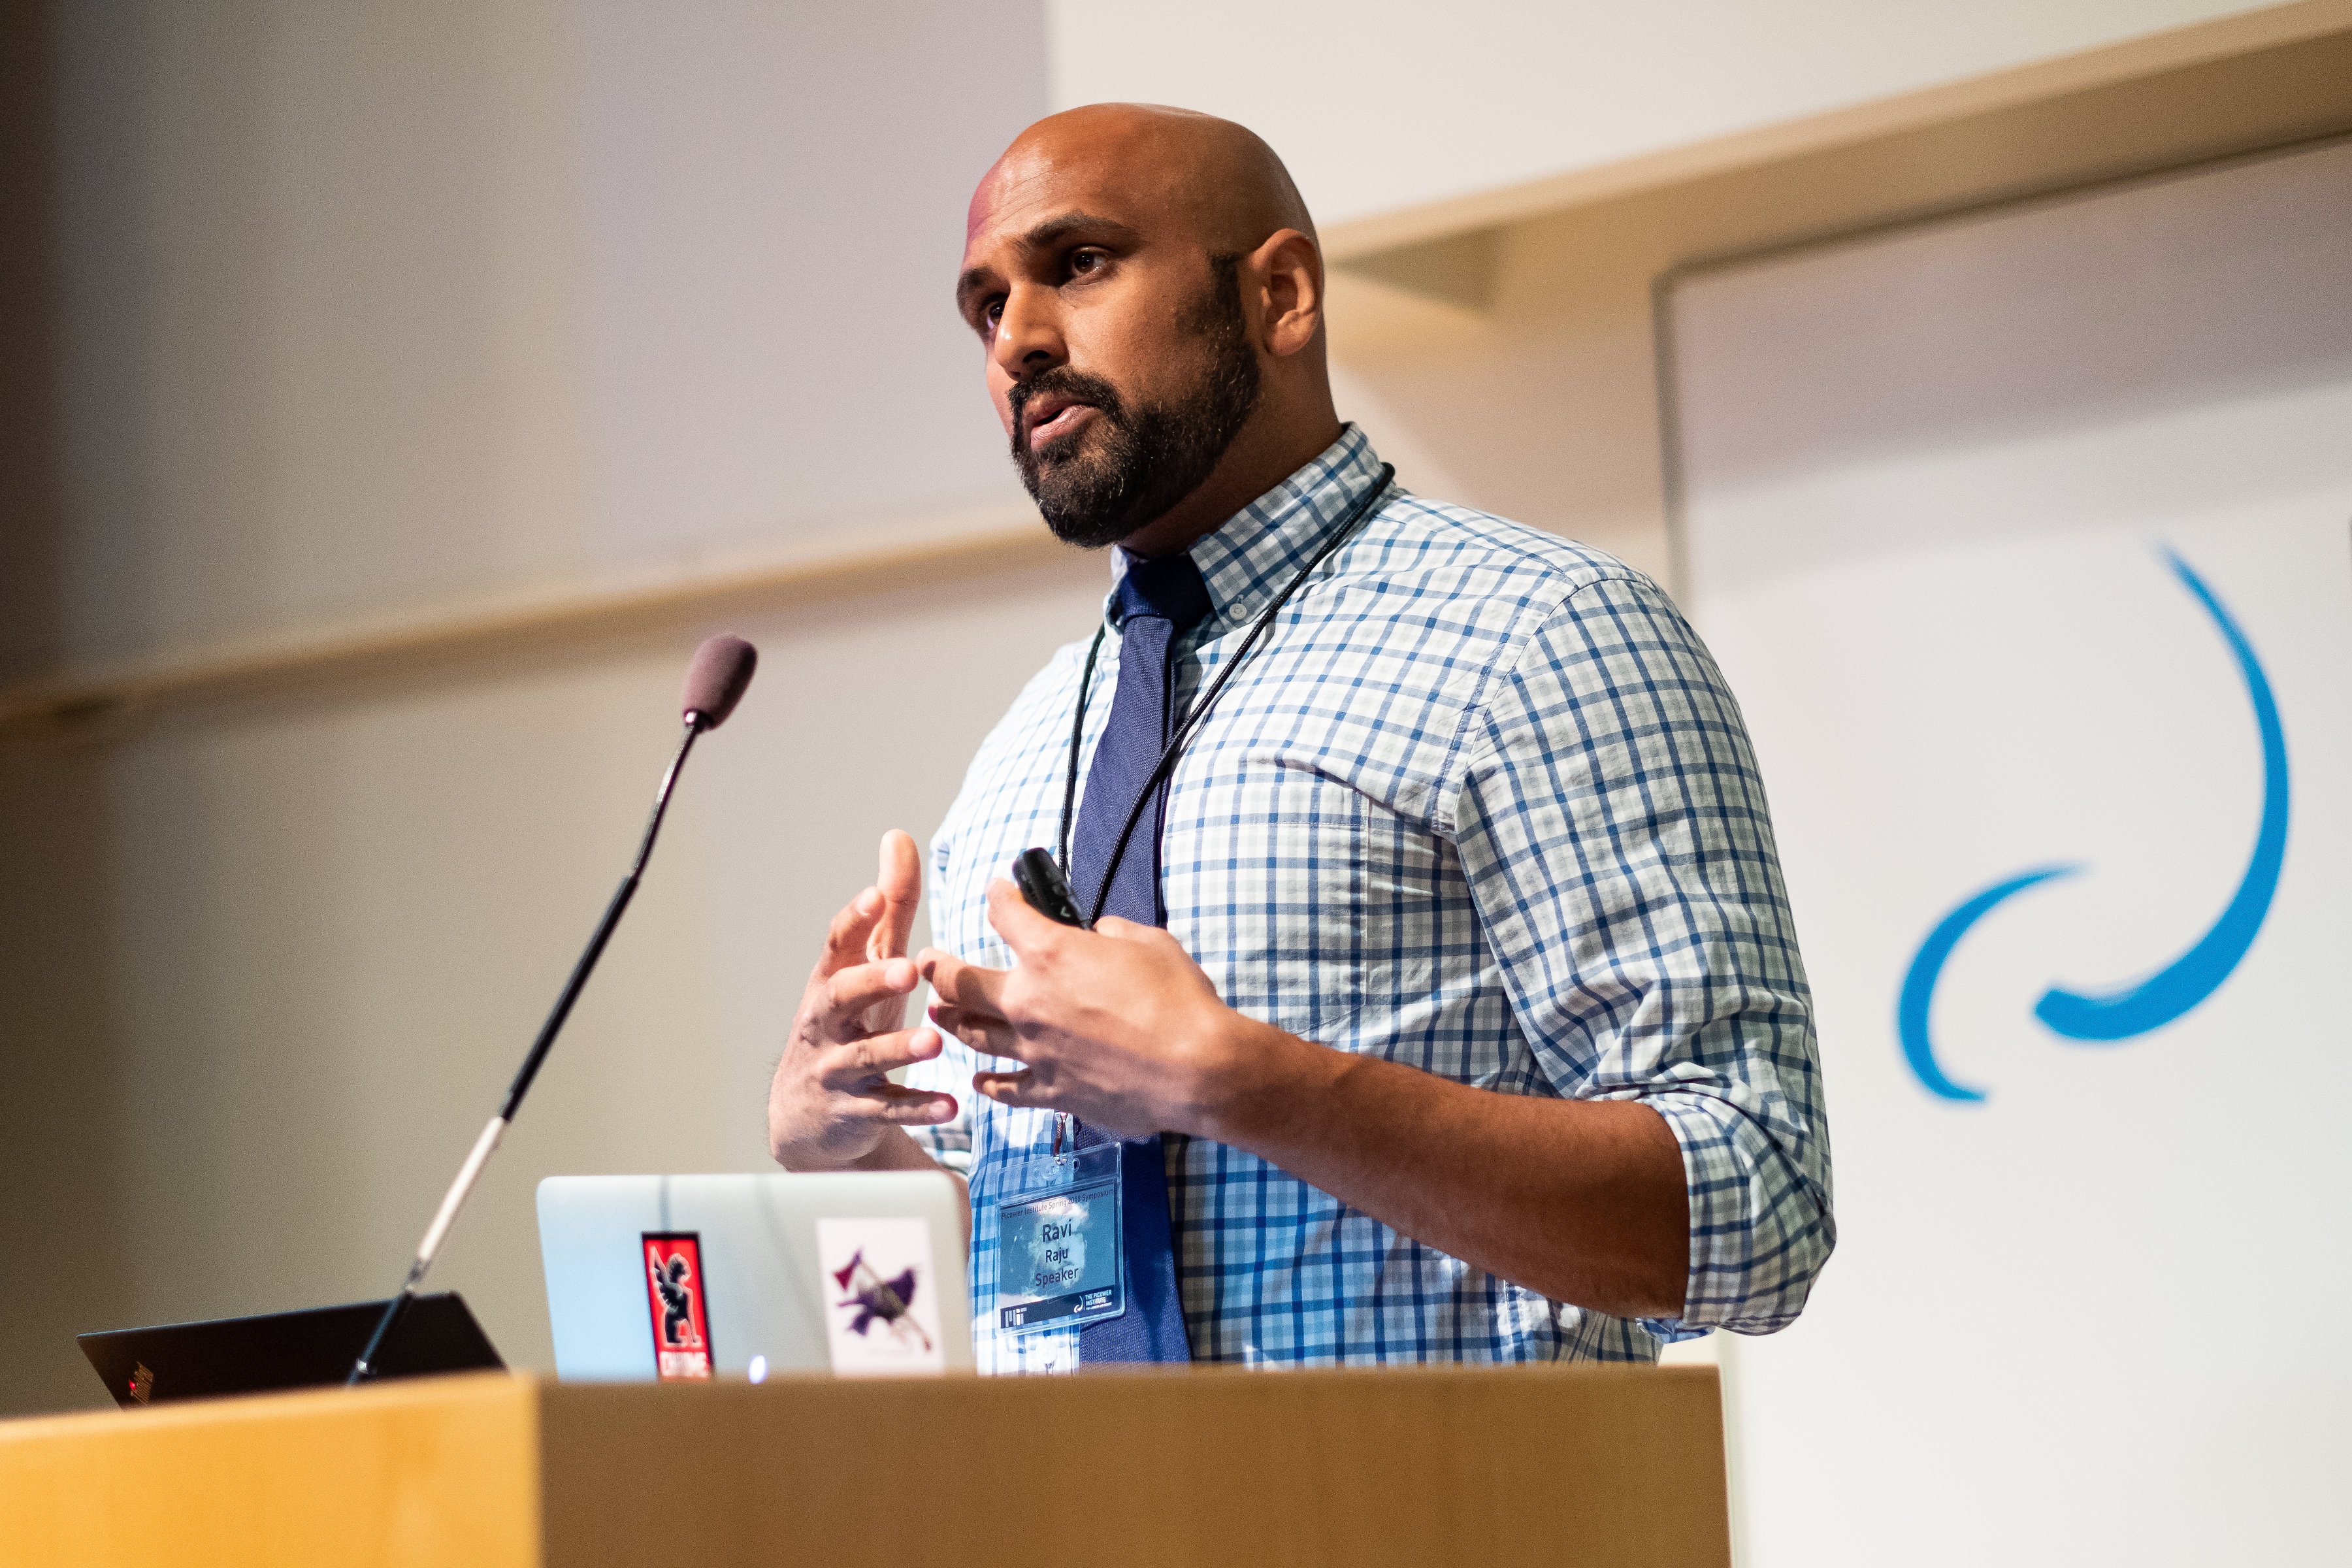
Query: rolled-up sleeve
1613	832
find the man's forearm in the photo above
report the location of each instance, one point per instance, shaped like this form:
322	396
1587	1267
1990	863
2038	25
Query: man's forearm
1582	1200
898	1151
895	1151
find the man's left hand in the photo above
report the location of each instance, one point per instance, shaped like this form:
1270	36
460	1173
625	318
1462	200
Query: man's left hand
1116	1026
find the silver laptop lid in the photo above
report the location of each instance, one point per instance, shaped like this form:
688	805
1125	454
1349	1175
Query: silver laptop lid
691	1277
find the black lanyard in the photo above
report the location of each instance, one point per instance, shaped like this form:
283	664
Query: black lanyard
1191	721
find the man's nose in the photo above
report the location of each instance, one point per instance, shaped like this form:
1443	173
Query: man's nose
1028	334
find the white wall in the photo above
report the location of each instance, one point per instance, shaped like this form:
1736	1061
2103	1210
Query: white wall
370	310
1931	479
1377	105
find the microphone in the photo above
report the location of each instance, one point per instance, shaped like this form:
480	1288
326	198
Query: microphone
715	682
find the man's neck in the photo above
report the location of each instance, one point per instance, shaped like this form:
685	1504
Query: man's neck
1264	455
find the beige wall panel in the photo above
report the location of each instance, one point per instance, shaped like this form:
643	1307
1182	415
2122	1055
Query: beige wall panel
370	309
337	923
321	274
1379	105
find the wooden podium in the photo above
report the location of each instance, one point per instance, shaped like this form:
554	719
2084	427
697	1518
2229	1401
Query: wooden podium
1619	1465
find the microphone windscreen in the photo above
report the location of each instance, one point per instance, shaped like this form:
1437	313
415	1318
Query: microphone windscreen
716	679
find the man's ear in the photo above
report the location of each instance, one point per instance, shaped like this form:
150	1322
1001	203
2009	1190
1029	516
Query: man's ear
1291	266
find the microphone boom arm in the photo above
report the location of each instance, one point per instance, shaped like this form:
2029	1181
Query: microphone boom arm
486	1145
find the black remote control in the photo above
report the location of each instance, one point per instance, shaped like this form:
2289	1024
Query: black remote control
1040	882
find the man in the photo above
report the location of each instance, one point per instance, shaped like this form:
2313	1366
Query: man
1477	1029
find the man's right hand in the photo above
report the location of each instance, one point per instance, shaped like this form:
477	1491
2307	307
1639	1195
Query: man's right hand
832	1106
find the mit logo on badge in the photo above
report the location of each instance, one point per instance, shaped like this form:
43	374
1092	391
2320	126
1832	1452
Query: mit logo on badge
681	1319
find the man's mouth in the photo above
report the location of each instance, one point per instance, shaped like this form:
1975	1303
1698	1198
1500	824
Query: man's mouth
1052	415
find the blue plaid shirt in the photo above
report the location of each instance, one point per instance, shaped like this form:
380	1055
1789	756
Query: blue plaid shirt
1480	804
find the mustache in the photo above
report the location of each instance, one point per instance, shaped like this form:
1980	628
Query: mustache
1076	384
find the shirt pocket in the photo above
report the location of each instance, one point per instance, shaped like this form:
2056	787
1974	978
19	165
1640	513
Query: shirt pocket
1268	892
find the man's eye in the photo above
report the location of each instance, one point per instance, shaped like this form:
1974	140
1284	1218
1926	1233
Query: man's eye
1085	261
992	312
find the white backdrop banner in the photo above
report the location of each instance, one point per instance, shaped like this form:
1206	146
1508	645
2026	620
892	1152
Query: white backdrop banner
2026	541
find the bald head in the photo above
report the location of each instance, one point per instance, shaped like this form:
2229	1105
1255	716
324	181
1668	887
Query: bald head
1147	288
1218	178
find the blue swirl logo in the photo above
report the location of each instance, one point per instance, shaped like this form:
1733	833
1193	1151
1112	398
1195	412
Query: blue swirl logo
2109	1017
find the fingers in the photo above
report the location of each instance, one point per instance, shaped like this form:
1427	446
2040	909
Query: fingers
899	881
1009	1088
845	939
854	1066
850	992
852	1075
1126	931
984	1032
902	1107
897	1105
961	984
1022	927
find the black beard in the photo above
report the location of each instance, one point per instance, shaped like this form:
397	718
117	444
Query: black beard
1150	455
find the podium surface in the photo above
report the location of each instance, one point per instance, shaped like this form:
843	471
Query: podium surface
1492	1466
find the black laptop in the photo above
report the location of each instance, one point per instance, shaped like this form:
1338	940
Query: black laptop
284	1350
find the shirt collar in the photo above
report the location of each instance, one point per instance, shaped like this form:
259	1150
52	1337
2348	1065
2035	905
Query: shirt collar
1258	550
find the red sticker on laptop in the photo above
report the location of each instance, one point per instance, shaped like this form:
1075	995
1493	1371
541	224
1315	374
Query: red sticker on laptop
674	1293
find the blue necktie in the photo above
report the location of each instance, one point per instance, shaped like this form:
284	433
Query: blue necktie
1161	600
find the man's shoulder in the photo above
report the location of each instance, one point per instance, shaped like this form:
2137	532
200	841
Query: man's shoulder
1438	549
1033	722
1043	693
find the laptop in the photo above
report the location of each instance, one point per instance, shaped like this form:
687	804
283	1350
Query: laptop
308	1349
692	1277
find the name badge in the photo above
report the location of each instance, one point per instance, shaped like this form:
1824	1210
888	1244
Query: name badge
1059	1259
